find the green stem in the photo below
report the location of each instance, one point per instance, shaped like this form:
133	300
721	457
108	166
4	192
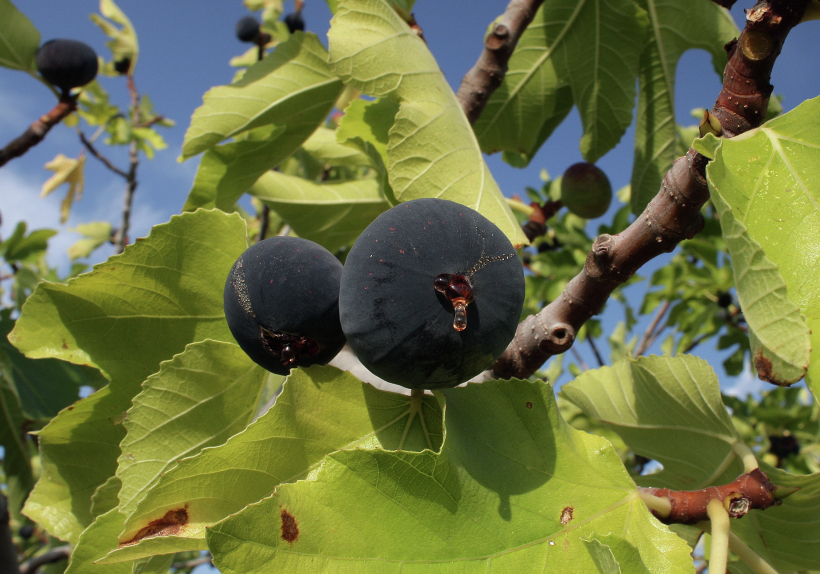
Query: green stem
660	504
749	556
719	551
746	455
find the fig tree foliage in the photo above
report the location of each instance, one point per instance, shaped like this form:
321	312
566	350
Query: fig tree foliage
341	195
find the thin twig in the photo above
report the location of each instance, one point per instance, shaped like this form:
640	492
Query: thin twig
37	131
595	350
488	72
264	222
581	362
54	555
121	237
106	162
649	335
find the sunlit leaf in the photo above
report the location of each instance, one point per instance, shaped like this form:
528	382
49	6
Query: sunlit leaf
331	214
95	234
123	43
514	489
291	87
432	150
320	410
763	184
69	171
660	407
19	39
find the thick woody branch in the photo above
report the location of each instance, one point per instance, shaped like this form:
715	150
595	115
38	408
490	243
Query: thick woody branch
749	491
38	130
488	72
674	214
54	555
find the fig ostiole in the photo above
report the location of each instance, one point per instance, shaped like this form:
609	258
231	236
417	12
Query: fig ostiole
282	304
431	294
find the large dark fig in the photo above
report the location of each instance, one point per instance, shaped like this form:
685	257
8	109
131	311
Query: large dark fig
432	293
585	190
67	63
282	304
247	29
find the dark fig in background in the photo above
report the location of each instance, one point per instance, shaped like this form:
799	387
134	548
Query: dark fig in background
247	29
282	304
432	293
585	190
295	22
67	63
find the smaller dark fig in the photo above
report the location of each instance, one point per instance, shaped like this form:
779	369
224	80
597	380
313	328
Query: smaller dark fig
247	29
295	22
67	63
724	300
123	66
432	293
585	190
282	304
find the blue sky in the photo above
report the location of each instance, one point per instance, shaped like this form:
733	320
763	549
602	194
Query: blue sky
185	48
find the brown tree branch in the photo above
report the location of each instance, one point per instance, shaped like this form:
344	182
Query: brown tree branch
752	490
488	72
38	130
674	214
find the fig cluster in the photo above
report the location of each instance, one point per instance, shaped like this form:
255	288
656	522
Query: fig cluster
585	190
430	296
282	304
67	64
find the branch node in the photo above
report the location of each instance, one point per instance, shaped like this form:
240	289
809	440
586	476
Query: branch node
737	504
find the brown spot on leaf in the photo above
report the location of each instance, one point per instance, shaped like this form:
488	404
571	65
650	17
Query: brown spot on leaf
65	345
765	371
529	405
290	530
168	525
566	515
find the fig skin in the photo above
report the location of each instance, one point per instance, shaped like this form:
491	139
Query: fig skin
585	190
247	29
400	327
67	63
294	22
290	286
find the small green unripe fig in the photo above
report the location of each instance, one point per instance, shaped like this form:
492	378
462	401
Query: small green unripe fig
247	29
294	22
585	190
282	304
67	63
432	292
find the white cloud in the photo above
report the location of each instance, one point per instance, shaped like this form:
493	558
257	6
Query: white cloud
746	383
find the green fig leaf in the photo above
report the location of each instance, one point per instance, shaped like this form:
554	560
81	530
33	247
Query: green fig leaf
763	187
675	27
514	489
19	39
331	214
292	87
320	410
660	407
432	151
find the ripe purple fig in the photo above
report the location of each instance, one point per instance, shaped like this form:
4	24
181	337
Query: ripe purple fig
67	63
282	304
432	293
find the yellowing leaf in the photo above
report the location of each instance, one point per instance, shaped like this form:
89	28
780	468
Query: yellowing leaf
66	170
123	43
